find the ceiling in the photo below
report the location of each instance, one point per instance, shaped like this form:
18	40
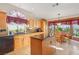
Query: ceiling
8	8
49	11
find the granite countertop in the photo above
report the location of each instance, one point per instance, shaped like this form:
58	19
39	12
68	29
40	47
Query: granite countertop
30	34
7	36
24	34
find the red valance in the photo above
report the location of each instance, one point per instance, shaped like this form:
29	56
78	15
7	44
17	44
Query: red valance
16	20
65	21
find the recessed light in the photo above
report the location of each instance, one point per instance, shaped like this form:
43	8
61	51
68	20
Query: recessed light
32	8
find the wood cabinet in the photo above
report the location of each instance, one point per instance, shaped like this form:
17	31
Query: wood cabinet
17	43
3	26
33	46
36	46
31	22
2	20
44	27
26	41
41	23
29	42
34	23
21	42
6	44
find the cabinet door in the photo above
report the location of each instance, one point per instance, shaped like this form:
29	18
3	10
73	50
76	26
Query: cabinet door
2	43
27	45
6	45
3	31
18	43
2	46
36	46
26	42
9	44
2	20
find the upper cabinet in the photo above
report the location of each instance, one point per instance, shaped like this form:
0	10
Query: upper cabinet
44	27
3	27
2	20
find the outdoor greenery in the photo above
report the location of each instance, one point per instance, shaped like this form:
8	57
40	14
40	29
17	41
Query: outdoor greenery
59	29
67	29
77	32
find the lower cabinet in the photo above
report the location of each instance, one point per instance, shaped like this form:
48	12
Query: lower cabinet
26	41
21	42
18	43
32	45
36	46
6	44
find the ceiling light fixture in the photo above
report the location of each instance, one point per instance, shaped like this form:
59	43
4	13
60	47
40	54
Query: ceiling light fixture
56	4
32	9
58	16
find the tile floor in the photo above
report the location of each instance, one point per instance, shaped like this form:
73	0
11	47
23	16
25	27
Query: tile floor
71	48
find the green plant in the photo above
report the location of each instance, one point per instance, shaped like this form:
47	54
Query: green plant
77	34
59	29
67	29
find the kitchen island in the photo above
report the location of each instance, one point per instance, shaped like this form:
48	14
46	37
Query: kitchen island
28	44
